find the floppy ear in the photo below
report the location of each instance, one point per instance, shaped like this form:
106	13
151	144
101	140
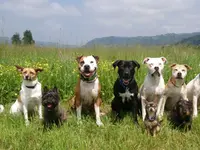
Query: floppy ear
45	89
136	64
164	60
172	65
146	60
20	69
96	58
38	70
188	67
78	58
116	63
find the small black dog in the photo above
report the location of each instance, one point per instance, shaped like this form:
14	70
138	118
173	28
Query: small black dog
181	115
151	121
52	111
126	90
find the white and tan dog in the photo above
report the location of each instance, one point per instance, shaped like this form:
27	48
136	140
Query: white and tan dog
154	84
175	88
193	88
87	92
30	94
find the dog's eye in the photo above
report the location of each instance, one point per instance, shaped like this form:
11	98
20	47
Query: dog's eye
82	62
183	70
25	72
92	62
159	64
31	73
176	69
151	64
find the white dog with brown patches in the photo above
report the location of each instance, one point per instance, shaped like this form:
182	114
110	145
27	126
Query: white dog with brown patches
30	94
154	84
175	88
87	92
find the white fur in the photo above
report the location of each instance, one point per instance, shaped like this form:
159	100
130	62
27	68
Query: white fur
127	95
29	99
1	108
153	85
193	88
89	60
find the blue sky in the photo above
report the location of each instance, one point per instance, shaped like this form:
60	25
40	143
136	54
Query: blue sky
77	21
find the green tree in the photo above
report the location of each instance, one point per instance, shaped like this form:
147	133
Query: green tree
16	40
28	38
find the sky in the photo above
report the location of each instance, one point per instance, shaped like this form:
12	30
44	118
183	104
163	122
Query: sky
78	21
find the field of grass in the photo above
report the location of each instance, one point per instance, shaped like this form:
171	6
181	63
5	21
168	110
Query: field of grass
60	69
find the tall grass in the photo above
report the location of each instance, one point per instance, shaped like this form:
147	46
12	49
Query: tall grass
60	69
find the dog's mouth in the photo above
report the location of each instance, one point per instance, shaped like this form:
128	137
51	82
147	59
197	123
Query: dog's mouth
126	81
88	73
156	73
179	77
49	105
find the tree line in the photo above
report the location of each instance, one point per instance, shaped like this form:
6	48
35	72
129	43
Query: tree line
26	40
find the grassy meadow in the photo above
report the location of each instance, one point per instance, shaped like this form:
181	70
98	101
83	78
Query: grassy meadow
60	69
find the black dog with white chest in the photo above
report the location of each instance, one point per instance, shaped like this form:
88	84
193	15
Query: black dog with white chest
126	90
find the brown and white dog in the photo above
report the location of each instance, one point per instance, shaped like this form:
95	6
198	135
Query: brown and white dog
30	94
87	91
175	88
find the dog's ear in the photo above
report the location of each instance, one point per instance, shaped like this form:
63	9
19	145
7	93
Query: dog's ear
45	89
146	60
78	58
116	63
172	65
164	59
136	64
38	70
55	89
19	68
188	67
96	58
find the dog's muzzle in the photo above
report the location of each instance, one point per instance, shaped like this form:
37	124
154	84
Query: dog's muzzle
179	75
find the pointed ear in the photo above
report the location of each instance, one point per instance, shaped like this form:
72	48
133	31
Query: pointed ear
146	60
78	58
164	60
136	64
45	89
188	67
20	69
38	70
116	63
172	65
96	58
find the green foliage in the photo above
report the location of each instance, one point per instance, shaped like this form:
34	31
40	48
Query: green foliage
28	38
16	40
60	69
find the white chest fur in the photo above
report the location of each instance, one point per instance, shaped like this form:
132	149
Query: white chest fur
89	91
126	96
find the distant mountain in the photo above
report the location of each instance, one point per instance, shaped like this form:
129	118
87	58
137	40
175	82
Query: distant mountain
39	43
164	39
194	40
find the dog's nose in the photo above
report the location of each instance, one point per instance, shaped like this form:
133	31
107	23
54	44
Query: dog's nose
179	74
156	68
26	77
126	73
86	67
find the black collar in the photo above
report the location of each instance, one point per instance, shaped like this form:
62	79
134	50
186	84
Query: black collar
31	87
125	85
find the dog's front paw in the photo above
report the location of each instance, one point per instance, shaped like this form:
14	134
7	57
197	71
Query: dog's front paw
99	123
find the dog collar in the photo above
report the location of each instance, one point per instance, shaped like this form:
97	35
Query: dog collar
122	83
152	119
31	87
90	79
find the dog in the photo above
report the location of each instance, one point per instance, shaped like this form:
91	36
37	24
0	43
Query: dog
87	91
1	108
193	88
175	88
151	121
30	94
125	89
53	113
181	115
154	84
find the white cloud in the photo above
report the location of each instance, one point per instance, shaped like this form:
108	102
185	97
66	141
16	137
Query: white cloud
39	8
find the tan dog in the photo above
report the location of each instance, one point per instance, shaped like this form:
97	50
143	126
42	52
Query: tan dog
87	92
30	94
176	87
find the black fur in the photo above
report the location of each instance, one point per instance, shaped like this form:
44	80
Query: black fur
181	115
126	70
53	113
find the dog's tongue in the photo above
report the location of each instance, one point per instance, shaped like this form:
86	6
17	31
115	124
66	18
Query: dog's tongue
126	81
49	105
